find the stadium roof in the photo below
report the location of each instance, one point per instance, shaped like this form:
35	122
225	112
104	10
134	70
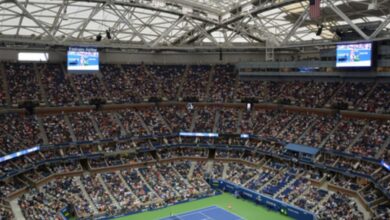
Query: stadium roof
181	23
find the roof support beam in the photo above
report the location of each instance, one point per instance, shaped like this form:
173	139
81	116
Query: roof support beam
39	23
255	11
203	32
380	27
84	25
168	30
296	25
346	19
123	18
56	21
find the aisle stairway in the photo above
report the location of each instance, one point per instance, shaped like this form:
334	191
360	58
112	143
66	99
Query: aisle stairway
5	83
99	177
85	194
16	210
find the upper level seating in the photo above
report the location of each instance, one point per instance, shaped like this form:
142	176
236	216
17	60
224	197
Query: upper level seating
314	94
168	78
107	125
345	134
89	86
377	101
143	83
22	82
57	131
120	83
351	93
371	141
222	84
296	128
22	128
57	85
196	81
253	122
273	127
320	128
83	127
178	118
205	119
154	121
3	98
132	122
228	120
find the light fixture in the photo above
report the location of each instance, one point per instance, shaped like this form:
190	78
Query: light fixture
108	34
98	37
319	31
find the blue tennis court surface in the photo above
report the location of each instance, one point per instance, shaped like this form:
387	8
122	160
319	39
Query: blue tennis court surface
209	213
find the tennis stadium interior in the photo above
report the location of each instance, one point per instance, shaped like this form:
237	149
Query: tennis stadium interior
195	109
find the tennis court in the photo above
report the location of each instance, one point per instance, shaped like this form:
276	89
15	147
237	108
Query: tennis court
209	213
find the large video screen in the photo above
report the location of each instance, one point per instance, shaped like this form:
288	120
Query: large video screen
354	55
83	59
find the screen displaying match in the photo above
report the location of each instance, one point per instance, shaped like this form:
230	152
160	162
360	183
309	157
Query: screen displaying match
354	55
83	60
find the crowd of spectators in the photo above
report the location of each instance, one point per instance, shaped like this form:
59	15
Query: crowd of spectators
158	184
132	122
373	138
120	83
57	85
5	211
120	191
22	83
223	83
239	173
319	130
107	125
3	97
371	194
311	198
344	135
297	188
24	129
57	131
219	83
89	86
178	118
278	121
377	101
182	152
382	211
196	81
228	119
168	78
205	119
46	202
83	126
350	94
260	180
347	182
154	121
100	197
293	131
338	205
143	84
